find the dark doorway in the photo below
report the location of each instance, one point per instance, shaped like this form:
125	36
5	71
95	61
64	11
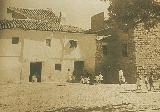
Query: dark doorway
35	70
111	75
78	69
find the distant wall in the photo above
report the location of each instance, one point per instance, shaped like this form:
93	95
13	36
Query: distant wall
97	22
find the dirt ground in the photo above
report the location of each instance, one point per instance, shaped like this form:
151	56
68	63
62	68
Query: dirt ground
67	97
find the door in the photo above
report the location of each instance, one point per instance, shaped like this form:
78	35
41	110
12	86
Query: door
78	69
35	70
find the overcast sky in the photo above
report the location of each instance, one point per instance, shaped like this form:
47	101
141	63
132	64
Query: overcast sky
76	12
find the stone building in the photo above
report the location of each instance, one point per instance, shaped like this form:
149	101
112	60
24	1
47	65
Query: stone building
135	52
33	42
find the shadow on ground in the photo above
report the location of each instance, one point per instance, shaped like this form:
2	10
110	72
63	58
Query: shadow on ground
124	107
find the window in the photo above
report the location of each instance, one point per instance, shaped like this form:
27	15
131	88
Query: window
124	50
105	50
15	40
48	42
73	44
58	67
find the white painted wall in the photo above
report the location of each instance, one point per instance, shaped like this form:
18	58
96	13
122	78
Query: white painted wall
32	48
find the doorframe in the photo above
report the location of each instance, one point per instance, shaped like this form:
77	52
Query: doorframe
40	71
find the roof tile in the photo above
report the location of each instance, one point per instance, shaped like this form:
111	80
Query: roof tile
37	25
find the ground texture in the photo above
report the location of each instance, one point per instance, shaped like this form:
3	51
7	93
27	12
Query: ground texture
67	97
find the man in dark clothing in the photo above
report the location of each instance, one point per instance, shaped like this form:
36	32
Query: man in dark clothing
150	81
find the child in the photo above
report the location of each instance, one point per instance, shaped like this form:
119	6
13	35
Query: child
82	80
139	82
86	80
97	79
100	77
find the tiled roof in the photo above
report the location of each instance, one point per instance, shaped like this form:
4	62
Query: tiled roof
35	14
67	28
37	25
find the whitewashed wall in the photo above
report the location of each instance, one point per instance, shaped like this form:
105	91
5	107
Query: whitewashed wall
32	48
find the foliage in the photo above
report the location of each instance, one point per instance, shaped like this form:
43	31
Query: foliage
128	13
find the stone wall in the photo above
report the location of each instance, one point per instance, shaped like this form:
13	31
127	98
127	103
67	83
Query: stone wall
143	54
147	50
111	63
127	64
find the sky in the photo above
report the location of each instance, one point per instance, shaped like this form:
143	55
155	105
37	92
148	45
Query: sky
76	12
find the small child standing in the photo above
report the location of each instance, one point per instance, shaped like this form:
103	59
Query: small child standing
82	80
100	77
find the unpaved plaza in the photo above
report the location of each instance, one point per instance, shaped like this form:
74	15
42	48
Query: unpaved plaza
67	97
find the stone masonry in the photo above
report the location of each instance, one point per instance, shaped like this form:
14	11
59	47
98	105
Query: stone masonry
147	50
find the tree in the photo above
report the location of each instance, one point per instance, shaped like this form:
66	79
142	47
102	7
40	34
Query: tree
128	13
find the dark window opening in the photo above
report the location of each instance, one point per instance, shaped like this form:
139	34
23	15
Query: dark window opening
58	67
73	44
15	40
48	42
9	10
105	50
124	50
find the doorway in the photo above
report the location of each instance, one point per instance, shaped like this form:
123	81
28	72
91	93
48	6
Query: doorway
35	70
78	69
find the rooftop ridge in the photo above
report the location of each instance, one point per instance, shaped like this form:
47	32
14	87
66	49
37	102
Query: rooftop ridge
36	14
37	25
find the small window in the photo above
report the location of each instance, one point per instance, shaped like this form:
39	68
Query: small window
15	40
105	50
73	44
48	42
58	67
124	50
9	10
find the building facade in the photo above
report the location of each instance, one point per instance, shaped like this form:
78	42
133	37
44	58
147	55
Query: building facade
135	52
29	47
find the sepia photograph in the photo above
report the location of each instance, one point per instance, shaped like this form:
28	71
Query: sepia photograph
79	55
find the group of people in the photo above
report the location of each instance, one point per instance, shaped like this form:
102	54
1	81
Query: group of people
148	81
87	80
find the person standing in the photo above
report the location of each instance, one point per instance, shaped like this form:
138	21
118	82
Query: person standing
151	82
139	82
159	81
91	76
146	81
121	77
69	75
